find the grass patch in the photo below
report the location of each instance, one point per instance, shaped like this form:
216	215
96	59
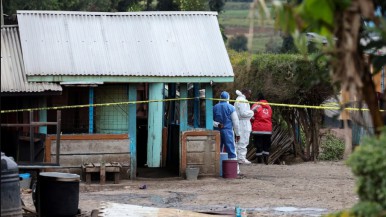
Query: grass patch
236	6
240	18
259	42
236	21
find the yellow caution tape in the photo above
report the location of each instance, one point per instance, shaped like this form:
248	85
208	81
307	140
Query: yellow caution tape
322	106
329	106
91	105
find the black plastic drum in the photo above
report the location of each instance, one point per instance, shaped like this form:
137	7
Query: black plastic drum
10	188
57	194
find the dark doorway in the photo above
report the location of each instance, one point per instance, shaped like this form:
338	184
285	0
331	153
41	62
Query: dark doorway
141	143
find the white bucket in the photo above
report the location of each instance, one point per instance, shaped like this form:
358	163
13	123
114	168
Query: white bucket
192	173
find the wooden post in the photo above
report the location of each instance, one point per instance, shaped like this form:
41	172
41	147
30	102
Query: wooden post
102	173
183	108
133	130
116	178
43	114
209	107
31	137
154	139
88	178
183	119
172	111
58	130
345	116
91	110
2	16
383	80
164	145
196	108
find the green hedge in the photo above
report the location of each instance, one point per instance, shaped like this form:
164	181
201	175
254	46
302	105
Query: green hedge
283	78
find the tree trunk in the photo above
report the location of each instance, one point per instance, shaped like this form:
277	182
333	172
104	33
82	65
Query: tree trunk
350	68
315	143
297	145
368	90
348	141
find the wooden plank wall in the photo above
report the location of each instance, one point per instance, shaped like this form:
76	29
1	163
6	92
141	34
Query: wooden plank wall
201	149
78	149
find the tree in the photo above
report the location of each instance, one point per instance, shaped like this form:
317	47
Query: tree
341	22
216	5
191	5
124	5
288	45
148	6
11	6
167	5
352	50
238	43
272	46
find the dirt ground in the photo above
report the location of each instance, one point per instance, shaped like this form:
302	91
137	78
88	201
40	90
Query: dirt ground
304	189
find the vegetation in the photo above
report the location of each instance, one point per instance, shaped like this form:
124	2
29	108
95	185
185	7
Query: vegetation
236	21
237	5
289	79
341	22
10	7
369	165
191	5
238	43
332	148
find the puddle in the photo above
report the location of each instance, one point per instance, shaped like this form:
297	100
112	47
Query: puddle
288	211
300	211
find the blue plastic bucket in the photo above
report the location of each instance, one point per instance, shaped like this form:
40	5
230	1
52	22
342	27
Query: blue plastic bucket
24	176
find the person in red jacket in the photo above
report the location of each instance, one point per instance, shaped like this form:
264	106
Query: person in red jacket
262	128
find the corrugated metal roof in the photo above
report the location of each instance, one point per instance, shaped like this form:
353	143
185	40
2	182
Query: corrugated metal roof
123	44
13	78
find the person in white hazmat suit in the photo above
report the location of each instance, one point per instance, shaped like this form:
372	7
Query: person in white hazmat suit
244	113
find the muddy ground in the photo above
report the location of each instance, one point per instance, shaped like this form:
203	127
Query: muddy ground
305	189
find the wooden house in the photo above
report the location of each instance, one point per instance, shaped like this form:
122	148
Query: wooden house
104	60
18	93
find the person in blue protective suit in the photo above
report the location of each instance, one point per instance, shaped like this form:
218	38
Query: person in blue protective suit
226	120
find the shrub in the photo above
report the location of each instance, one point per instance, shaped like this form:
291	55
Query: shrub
367	209
332	148
369	165
238	43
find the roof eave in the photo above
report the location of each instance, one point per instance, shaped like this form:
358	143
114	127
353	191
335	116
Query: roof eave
127	79
43	93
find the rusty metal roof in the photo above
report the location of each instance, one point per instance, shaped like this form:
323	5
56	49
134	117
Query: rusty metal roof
13	78
164	44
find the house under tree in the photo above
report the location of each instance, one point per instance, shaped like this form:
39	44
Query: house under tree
101	58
